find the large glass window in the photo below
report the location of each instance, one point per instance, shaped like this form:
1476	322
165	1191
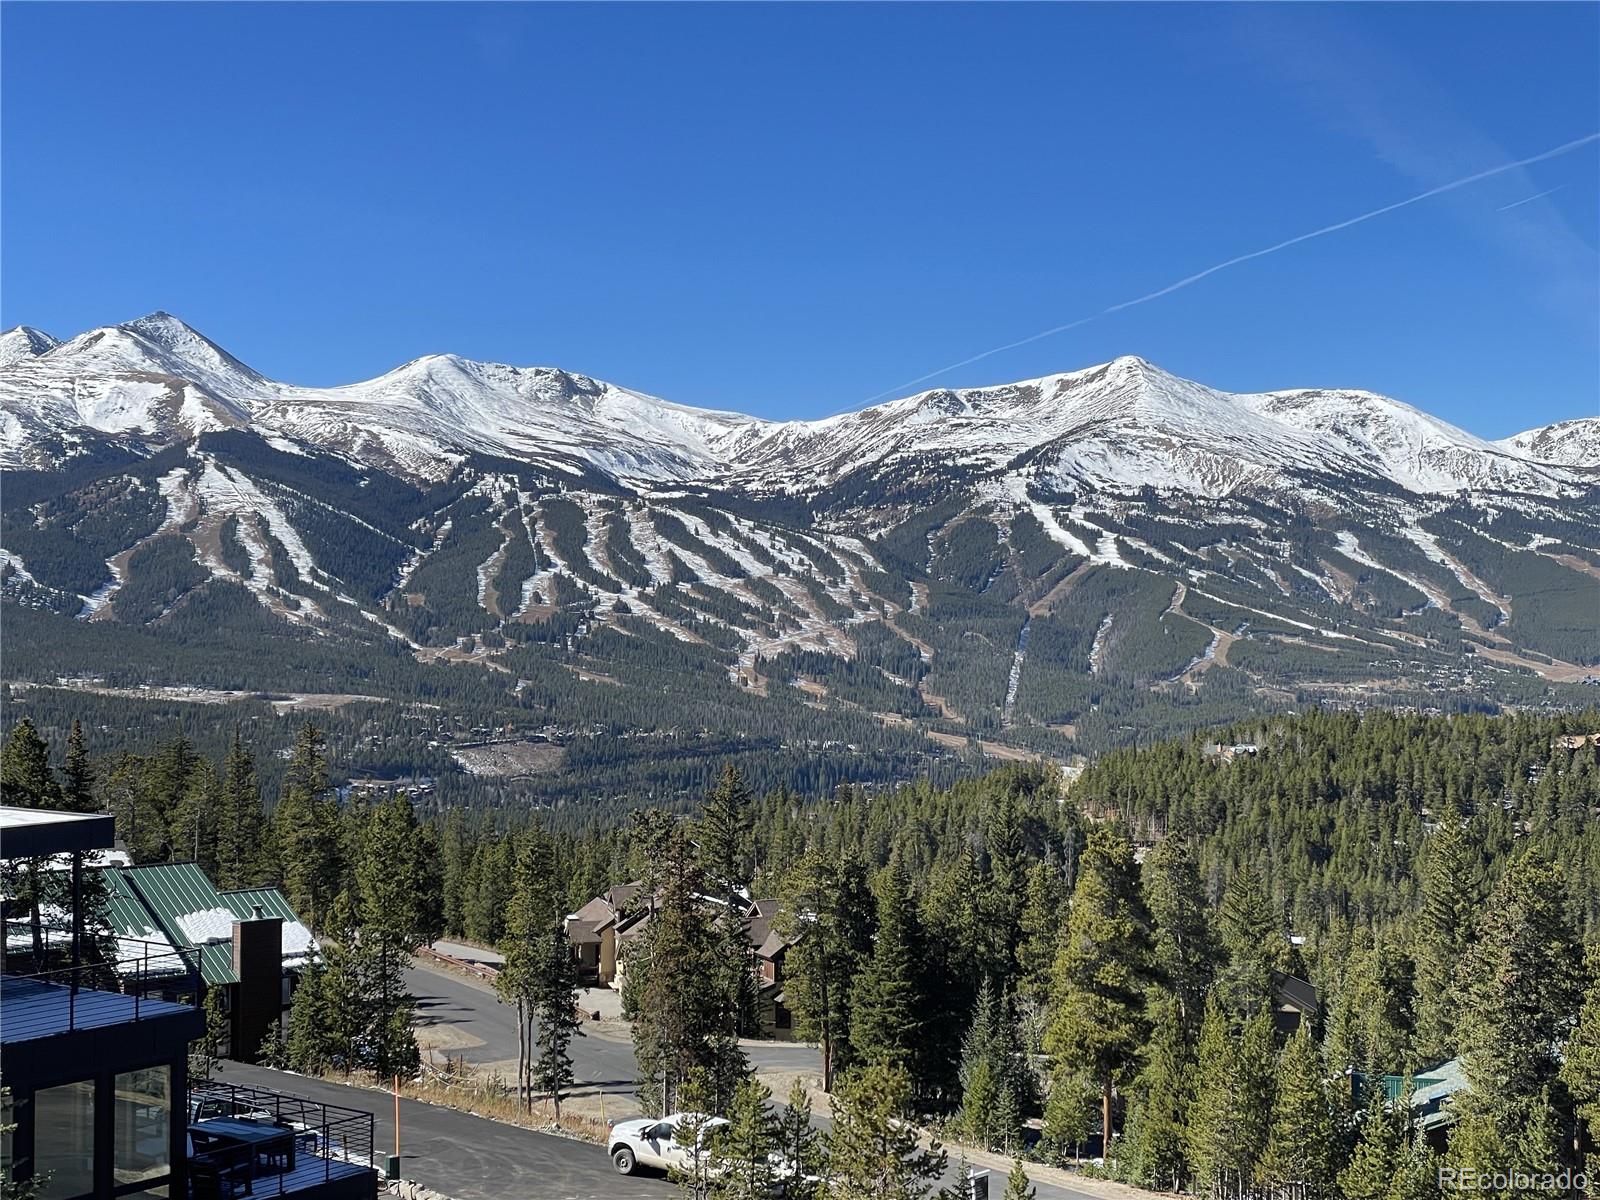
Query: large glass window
63	1139
143	1136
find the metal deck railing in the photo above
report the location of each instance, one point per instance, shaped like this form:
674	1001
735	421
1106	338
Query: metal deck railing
331	1141
41	995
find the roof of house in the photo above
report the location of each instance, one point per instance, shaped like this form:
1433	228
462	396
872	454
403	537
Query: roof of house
1293	992
40	832
175	904
1434	1087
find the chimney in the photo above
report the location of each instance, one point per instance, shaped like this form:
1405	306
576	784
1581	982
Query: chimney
258	1000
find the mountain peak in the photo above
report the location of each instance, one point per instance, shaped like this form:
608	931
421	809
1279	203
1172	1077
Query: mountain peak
24	341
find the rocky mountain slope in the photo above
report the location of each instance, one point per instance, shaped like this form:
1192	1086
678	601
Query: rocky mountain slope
1049	566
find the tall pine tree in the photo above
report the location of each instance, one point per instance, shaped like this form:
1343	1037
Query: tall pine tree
1102	970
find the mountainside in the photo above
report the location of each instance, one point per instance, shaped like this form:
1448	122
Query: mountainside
542	558
1574	443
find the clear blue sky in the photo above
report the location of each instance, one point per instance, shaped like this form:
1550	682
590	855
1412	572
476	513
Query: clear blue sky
787	210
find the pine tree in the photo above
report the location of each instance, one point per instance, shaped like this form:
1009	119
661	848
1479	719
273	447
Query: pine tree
1186	948
692	1171
1543	1143
1251	934
306	830
1042	911
741	1155
1377	1157
1442	931
194	820
1373	1020
26	780
1416	1173
1017	1185
872	1147
1580	1071
978	1073
677	1026
77	773
393	880
1102	969
723	833
1070	1115
886	999
1300	1146
1522	985
1232	1111
1006	1130
530	911
826	912
980	1090
240	853
555	1006
1165	1090
798	1142
328	1016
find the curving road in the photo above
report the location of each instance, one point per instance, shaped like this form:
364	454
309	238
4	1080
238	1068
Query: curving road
463	1018
453	1008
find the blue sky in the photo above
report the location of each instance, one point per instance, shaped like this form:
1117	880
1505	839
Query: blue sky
790	209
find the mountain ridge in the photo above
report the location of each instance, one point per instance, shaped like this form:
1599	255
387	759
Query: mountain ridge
1054	566
1116	423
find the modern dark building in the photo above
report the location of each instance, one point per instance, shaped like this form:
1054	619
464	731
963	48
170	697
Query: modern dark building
94	1044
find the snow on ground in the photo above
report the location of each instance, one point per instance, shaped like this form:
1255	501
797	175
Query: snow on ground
8	559
1097	647
240	494
1351	549
1425	542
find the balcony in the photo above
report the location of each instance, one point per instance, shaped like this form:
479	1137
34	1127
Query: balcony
142	985
251	1141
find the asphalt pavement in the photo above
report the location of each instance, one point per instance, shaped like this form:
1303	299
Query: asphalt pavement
465	1012
463	1018
468	1157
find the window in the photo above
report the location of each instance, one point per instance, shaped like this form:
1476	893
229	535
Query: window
8	1122
63	1139
143	1136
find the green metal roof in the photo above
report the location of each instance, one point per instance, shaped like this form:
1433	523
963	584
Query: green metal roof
177	903
273	903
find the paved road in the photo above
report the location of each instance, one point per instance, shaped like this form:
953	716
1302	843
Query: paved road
465	1018
468	1157
467	1008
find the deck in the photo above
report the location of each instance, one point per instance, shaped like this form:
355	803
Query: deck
325	1179
33	1008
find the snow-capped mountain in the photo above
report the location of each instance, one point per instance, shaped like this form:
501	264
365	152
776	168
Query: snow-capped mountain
1120	425
1574	443
24	342
1052	566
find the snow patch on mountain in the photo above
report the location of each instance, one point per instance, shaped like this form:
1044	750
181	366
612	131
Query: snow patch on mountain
22	342
1574	443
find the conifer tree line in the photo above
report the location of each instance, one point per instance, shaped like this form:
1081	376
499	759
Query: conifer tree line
1037	965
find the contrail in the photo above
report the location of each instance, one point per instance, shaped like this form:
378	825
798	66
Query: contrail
1187	280
1530	199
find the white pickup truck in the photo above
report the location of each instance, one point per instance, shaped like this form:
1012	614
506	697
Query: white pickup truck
651	1142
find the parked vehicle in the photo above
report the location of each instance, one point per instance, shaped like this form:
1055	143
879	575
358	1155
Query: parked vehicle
653	1142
